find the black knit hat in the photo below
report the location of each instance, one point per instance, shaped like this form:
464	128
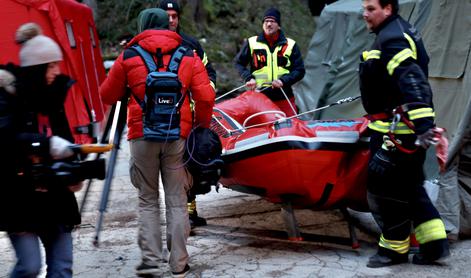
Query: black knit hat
274	14
170	5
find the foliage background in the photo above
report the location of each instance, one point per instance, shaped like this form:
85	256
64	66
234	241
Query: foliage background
220	26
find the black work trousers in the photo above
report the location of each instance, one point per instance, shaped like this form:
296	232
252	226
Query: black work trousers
397	196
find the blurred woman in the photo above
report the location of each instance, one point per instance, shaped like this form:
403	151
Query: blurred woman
34	130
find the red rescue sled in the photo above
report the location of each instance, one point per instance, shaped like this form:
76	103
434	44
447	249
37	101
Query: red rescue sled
311	164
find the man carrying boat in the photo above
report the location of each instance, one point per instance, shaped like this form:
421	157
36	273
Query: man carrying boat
398	98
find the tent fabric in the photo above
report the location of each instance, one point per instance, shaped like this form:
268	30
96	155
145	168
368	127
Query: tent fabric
450	21
454	200
331	74
82	62
333	57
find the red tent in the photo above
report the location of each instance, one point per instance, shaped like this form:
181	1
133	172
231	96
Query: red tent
71	25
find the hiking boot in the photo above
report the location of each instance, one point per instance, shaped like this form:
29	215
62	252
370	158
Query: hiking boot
181	274
432	252
196	221
420	259
386	257
145	269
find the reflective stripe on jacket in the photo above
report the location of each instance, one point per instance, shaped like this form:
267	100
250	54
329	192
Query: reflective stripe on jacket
284	54
401	128
394	72
269	70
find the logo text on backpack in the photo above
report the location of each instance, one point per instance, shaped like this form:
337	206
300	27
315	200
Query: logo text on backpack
165	100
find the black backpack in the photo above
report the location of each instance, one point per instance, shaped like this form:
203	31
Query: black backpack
163	96
203	156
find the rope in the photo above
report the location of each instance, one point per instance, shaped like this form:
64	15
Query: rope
238	88
289	102
338	102
230	92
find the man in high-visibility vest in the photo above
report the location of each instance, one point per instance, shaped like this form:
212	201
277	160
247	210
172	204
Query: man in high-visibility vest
398	98
275	63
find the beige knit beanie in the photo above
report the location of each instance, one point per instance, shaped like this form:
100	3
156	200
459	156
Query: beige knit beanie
36	49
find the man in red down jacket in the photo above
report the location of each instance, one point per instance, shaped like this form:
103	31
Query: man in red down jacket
149	158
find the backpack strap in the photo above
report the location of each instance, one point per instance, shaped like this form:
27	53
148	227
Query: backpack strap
176	59
150	65
173	65
146	57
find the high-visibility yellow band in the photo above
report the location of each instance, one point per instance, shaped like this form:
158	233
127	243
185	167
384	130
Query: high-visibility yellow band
271	70
191	206
372	54
383	127
413	47
399	246
212	85
398	59
431	230
421	113
205	59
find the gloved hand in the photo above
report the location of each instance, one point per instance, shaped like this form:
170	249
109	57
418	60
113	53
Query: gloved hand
59	148
251	84
430	137
382	162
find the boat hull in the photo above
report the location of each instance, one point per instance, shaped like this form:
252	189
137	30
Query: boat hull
311	164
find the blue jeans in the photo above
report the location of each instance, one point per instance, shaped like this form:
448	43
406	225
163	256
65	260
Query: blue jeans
58	249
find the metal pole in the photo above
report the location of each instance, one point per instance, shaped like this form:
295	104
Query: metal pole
103	140
119	122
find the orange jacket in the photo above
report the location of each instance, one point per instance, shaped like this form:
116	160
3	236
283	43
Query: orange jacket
130	70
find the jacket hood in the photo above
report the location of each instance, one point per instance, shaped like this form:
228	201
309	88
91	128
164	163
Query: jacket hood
150	40
153	18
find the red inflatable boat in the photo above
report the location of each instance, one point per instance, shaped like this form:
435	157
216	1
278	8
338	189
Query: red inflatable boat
313	164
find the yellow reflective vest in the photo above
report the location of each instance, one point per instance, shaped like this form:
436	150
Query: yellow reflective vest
270	65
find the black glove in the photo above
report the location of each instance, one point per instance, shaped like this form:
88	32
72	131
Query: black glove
382	163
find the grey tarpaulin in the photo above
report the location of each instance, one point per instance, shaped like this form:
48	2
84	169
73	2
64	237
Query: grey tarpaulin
332	74
332	59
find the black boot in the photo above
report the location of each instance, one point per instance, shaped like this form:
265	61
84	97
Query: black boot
431	252
385	257
195	220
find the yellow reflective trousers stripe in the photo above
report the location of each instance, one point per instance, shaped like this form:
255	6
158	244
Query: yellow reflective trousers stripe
399	246
431	230
191	207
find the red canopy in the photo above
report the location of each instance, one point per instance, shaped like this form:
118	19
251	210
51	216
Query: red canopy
71	25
